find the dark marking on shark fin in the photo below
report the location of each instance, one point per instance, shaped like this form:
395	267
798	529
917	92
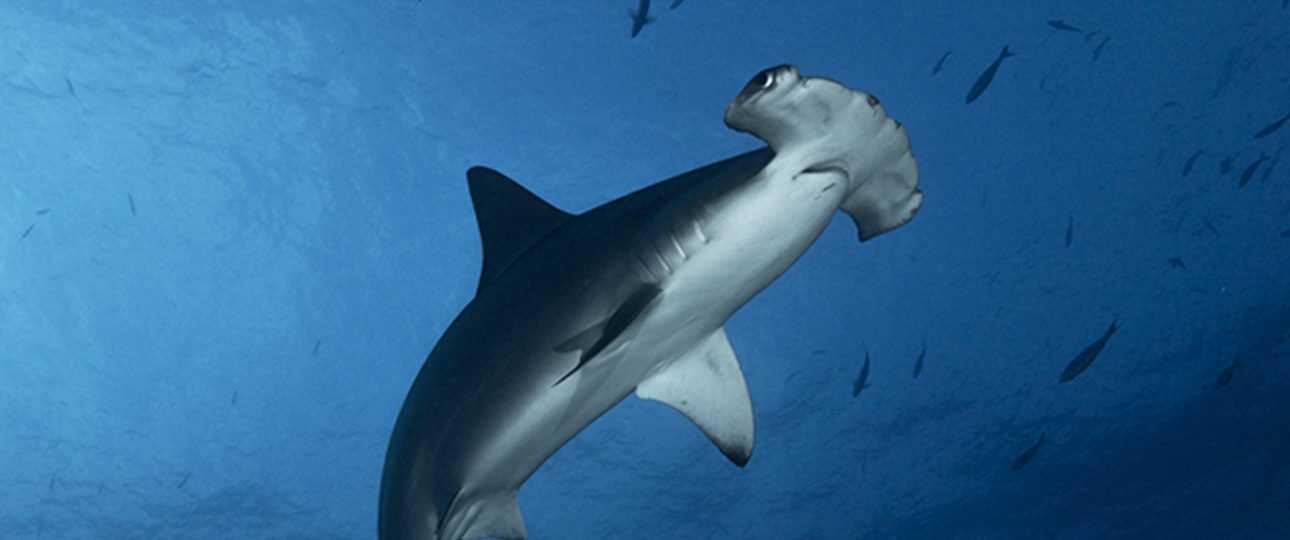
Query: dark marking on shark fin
707	386
511	219
606	332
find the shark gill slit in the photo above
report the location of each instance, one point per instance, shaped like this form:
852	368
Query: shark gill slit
676	242
644	272
662	258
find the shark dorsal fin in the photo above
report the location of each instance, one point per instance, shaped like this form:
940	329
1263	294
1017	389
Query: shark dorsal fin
510	218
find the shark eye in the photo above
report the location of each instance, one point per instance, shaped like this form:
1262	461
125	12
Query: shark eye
762	81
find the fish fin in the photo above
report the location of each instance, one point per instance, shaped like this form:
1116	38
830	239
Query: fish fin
707	386
606	332
511	219
889	197
492	515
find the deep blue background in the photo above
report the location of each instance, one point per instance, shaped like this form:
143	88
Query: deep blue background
227	359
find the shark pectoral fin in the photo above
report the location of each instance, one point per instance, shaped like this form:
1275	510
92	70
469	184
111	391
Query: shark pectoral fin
494	515
510	218
887	198
707	386
606	332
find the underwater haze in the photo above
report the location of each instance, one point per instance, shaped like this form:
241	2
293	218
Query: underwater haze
231	231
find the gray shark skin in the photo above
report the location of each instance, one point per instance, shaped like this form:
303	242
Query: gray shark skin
575	312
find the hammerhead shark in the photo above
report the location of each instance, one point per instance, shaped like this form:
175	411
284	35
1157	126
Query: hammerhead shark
574	312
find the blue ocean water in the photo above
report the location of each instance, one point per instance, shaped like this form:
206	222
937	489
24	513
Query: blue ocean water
230	232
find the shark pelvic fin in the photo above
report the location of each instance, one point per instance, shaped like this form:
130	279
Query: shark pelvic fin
594	340
485	516
707	386
510	218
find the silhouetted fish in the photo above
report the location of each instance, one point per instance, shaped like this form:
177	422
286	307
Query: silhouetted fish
862	381
918	364
1249	171
1270	128
1024	458
1070	230
42	211
1191	162
1226	165
1097	53
316	345
1061	25
1085	358
675	4
1175	262
131	199
1226	376
234	401
27	232
940	64
983	81
184	481
640	17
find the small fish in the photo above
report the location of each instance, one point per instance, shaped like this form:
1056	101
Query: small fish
1191	162
130	198
918	364
1226	376
862	381
234	401
1209	226
640	17
184	481
1070	230
1029	454
1061	25
940	64
316	345
676	4
1085	358
28	231
1175	262
1097	53
817	352
1249	171
983	81
1226	165
1270	128
42	211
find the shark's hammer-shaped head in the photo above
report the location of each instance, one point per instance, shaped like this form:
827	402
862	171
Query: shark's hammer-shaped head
817	125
